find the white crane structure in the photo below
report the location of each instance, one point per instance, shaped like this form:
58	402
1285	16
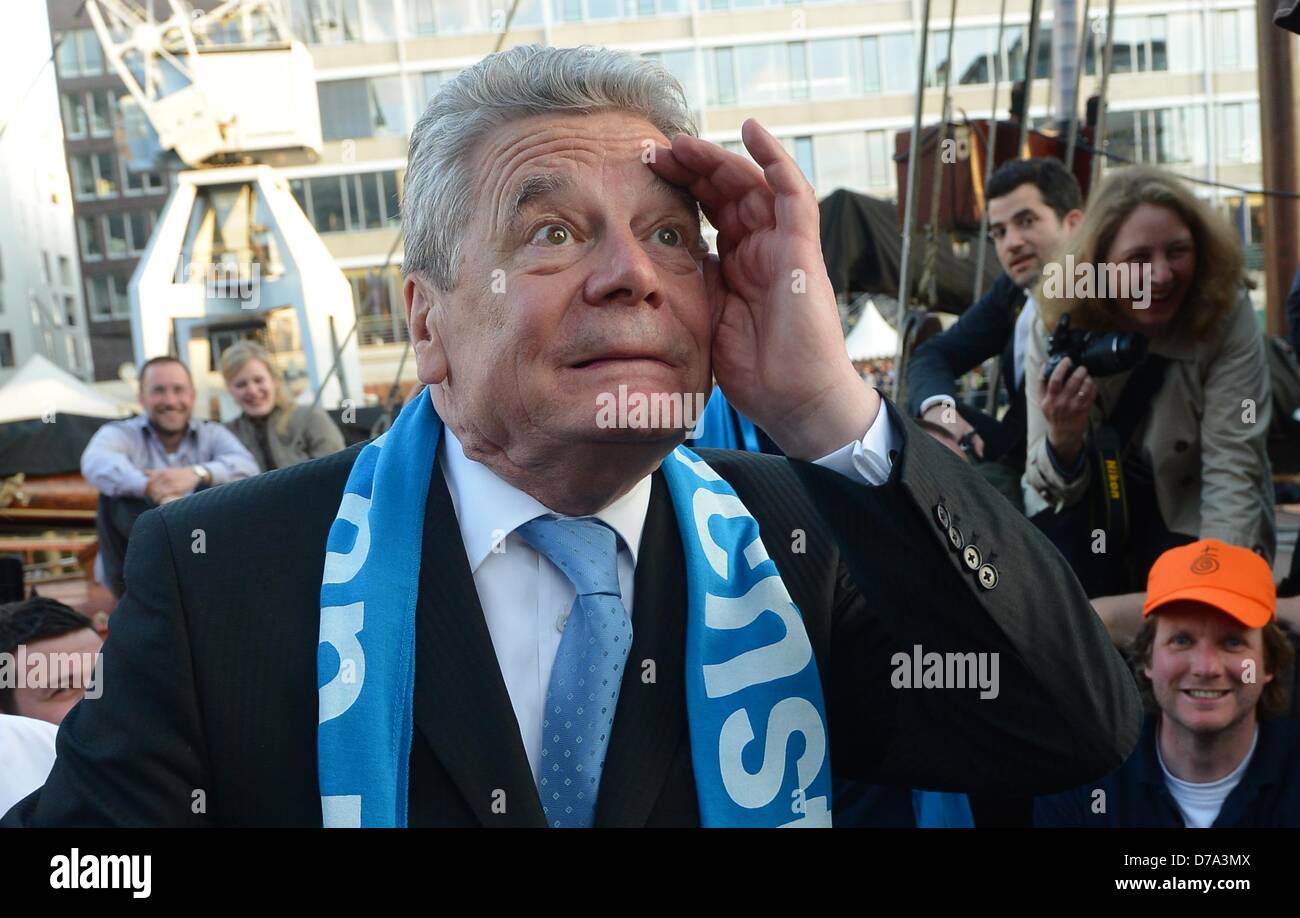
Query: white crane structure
231	94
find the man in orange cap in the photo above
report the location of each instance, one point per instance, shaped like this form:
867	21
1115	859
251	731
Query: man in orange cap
1213	752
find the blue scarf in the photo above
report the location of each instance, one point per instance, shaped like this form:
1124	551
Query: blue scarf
749	664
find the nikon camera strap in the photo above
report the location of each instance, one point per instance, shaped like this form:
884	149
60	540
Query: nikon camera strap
1113	438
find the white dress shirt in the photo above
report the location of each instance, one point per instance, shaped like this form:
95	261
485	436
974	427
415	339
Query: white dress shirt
26	757
1024	322
526	599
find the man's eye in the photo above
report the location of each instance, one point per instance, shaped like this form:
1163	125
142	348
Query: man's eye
552	234
669	235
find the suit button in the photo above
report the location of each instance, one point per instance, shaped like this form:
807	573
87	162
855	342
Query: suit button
988	576
941	515
954	537
971	555
1181	446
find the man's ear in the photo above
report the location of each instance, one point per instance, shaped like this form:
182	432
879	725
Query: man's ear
422	324
1072	219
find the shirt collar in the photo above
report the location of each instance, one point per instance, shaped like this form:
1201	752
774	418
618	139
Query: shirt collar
142	420
488	508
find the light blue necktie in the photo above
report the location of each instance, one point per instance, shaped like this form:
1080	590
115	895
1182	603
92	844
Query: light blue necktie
588	670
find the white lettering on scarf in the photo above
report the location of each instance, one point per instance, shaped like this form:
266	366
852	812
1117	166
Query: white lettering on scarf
339	627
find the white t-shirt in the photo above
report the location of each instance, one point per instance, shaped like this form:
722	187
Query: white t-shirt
1200	803
26	757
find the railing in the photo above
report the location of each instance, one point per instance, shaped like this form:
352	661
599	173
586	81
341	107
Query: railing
380	329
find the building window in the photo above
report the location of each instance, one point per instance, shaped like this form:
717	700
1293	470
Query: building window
1239	132
1148	43
880	172
326	22
138	226
83	176
803	155
106	297
328	213
45	268
98	302
101	121
343	203
65	271
79	54
91	250
70	345
6	350
74	115
362	108
94	175
118	296
70	309
116	239
375	293
841	161
974	52
723	90
898	57
763	73
1234	41
147	182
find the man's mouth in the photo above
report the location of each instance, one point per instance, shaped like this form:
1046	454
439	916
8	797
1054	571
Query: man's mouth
1022	263
617	357
1205	694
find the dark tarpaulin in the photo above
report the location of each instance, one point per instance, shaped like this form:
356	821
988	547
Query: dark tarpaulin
862	245
36	448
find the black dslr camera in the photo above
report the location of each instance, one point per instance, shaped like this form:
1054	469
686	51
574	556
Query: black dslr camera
1103	353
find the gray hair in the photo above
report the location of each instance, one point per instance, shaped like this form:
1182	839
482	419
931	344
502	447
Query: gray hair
439	191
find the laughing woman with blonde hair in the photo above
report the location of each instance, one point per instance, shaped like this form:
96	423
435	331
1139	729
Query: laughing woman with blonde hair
1169	451
276	431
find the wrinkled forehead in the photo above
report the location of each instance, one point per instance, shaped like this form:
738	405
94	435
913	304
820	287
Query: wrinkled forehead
525	162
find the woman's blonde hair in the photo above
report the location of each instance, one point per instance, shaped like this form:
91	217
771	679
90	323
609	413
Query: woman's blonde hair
1220	267
233	359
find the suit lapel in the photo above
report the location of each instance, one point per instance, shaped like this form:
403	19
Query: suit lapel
650	720
461	706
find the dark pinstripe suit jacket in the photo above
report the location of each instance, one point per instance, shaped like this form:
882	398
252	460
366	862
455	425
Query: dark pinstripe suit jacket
210	670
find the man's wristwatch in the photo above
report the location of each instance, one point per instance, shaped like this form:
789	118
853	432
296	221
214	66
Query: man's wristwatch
205	477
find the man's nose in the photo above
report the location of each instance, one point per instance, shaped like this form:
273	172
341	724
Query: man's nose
625	273
1206	661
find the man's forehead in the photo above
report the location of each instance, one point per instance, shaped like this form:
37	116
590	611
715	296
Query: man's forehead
560	148
1191	615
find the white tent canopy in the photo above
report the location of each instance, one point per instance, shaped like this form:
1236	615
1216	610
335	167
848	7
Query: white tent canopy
872	338
41	388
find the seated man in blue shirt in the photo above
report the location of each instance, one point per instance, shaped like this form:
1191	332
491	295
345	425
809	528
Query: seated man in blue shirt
1214	753
152	458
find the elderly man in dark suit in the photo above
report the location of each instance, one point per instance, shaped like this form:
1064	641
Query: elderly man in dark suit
517	609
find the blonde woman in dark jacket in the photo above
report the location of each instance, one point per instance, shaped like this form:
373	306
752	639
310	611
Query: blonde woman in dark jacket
276	431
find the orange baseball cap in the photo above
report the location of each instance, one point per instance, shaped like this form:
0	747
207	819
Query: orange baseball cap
1230	578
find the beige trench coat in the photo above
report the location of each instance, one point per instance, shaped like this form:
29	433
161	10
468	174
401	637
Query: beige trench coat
1204	437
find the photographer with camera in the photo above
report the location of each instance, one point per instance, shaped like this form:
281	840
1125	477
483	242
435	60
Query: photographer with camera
1132	453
